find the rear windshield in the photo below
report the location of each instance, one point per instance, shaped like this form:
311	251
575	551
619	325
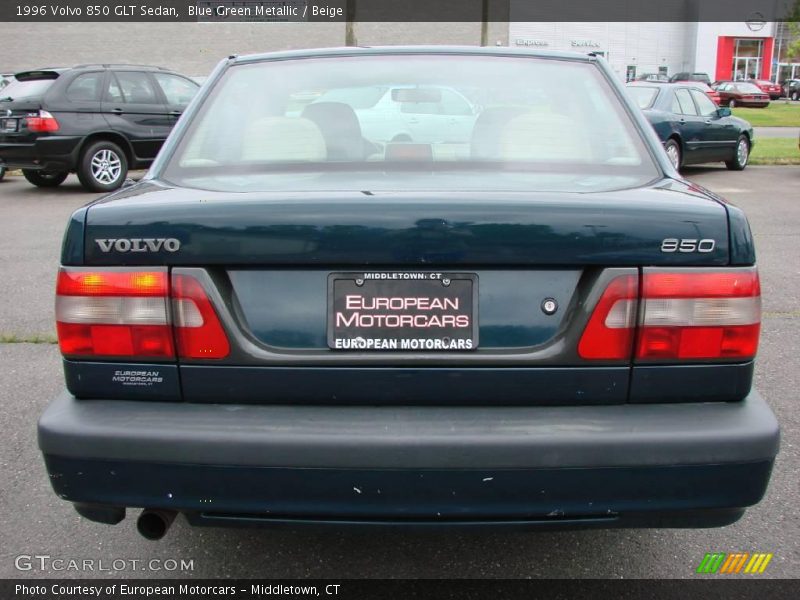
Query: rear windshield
748	88
643	96
360	97
26	89
412	122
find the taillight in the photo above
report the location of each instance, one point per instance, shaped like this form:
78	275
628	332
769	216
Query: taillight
113	313
609	333
125	312
41	122
684	314
706	314
198	331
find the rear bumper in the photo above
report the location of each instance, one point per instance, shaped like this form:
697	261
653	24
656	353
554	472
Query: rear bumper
689	464
53	153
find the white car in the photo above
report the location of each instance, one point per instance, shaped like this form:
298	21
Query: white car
428	115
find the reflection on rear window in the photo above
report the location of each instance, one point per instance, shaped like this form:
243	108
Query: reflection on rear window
643	96
507	118
748	88
360	97
27	89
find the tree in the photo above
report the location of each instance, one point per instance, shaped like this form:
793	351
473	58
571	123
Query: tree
485	23
350	25
793	25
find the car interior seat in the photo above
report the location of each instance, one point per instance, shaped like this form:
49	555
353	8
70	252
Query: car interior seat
340	127
487	131
543	136
283	139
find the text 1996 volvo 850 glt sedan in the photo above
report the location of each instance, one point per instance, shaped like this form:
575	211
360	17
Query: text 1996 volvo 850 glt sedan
535	324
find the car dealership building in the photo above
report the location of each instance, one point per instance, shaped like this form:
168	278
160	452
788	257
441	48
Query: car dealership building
724	50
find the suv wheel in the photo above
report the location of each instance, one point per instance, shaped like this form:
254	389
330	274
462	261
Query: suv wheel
103	167
742	155
795	95
45	178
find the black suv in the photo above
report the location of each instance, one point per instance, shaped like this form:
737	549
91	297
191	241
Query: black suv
791	89
95	120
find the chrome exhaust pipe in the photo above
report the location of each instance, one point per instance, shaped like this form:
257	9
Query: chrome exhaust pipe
153	523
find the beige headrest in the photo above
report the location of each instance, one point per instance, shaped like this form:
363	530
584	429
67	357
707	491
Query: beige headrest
292	139
542	136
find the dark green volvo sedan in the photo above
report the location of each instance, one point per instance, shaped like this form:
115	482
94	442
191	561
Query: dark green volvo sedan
691	127
410	286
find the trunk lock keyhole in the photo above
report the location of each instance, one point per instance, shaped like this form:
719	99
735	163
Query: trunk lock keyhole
549	306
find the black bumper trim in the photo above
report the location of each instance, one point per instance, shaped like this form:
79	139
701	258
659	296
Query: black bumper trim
411	437
406	386
715	517
691	383
446	496
47	153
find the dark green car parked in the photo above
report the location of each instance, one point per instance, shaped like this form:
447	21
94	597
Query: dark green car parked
691	127
287	321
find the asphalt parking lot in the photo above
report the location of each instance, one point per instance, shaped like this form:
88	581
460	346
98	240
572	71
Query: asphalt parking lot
34	521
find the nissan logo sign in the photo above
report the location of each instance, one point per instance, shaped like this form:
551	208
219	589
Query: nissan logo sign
756	22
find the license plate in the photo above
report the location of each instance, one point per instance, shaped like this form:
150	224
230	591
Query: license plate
9	124
403	311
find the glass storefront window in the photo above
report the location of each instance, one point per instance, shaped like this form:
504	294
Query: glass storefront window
746	48
747	58
788	71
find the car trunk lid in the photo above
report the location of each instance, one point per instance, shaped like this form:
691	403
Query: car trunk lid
156	225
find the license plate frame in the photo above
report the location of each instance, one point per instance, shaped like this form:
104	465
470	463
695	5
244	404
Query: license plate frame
452	297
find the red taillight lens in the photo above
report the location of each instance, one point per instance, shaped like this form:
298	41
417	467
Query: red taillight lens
113	313
609	333
115	340
124	313
42	122
699	315
198	331
688	314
